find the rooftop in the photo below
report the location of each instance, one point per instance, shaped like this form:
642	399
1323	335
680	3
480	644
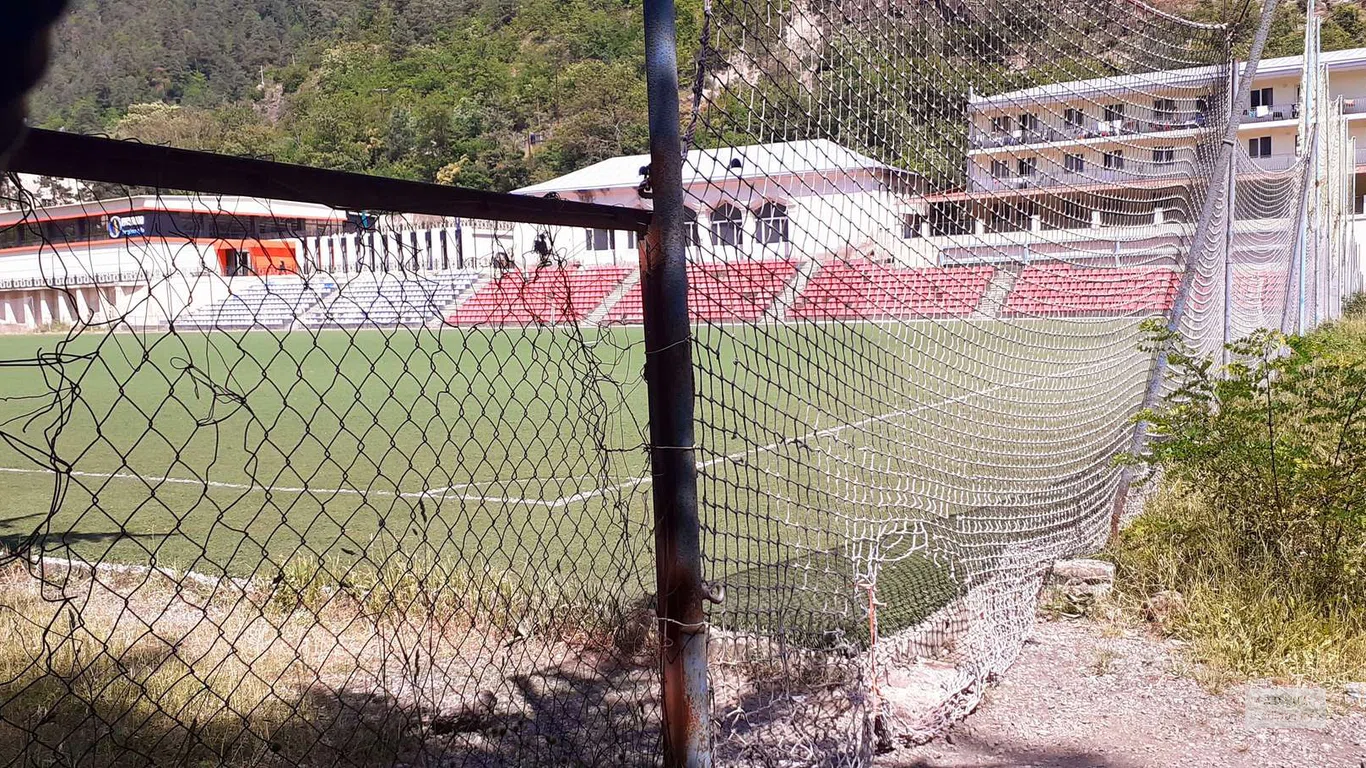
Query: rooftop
703	165
220	204
1350	58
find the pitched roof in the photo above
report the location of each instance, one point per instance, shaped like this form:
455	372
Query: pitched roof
701	165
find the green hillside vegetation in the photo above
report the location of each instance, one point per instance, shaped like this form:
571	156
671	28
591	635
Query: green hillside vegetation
483	93
496	94
1259	523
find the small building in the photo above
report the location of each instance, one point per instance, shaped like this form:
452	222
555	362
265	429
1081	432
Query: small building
139	257
795	199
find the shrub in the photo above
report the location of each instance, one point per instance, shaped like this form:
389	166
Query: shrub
1355	305
1262	519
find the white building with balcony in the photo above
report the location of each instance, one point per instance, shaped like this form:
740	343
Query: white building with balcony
1105	167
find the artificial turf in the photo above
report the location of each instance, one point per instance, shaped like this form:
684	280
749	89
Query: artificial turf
520	451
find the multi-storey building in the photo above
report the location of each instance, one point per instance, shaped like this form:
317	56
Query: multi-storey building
1108	165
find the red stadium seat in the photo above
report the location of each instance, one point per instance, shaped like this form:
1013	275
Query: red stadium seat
1067	289
720	292
864	290
540	297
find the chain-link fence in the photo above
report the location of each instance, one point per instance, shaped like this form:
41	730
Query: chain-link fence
288	487
289	483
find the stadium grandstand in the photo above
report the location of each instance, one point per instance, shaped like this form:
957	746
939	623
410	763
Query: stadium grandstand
1071	207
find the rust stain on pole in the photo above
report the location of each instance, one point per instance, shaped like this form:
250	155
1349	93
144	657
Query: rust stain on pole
669	380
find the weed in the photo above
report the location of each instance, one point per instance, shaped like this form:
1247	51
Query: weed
1103	662
1260	523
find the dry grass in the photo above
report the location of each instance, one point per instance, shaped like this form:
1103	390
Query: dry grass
137	667
1238	623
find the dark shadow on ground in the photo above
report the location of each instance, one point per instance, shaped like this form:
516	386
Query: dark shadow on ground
560	707
60	544
970	751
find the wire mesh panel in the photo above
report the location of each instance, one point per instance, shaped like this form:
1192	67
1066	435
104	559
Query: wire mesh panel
294	485
290	487
1277	253
925	239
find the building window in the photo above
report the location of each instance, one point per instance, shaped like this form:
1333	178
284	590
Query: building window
272	227
1027	166
1074	163
727	226
1164	155
949	219
238	263
998	217
1259	147
999	169
1114	160
694	236
1008	217
1263	97
1029	122
1074	118
601	239
1114	112
1164	110
1002	124
771	223
1066	214
910	225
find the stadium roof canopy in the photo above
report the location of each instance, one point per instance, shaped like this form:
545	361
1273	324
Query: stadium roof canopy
225	205
716	165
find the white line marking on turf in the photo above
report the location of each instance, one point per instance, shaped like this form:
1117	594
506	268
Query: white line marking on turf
441	493
827	432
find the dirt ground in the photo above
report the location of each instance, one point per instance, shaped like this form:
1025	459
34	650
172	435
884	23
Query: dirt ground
1086	695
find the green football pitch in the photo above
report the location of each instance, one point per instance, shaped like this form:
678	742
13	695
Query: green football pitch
521	450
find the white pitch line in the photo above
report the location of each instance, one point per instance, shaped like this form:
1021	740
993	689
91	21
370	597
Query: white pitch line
827	432
441	493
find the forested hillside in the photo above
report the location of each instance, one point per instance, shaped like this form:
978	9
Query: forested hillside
485	93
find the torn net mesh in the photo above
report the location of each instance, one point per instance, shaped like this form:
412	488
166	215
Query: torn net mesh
272	499
290	485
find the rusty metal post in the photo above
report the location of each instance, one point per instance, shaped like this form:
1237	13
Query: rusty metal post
669	379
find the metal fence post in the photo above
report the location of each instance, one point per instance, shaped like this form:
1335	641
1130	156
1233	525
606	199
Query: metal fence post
1230	219
669	379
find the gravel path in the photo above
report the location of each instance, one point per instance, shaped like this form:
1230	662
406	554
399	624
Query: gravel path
1077	698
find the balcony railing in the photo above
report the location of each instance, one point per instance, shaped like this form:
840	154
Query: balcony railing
1269	113
1171	121
77	280
1361	155
1272	162
1133	171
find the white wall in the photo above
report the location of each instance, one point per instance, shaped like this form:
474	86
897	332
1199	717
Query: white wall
140	282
